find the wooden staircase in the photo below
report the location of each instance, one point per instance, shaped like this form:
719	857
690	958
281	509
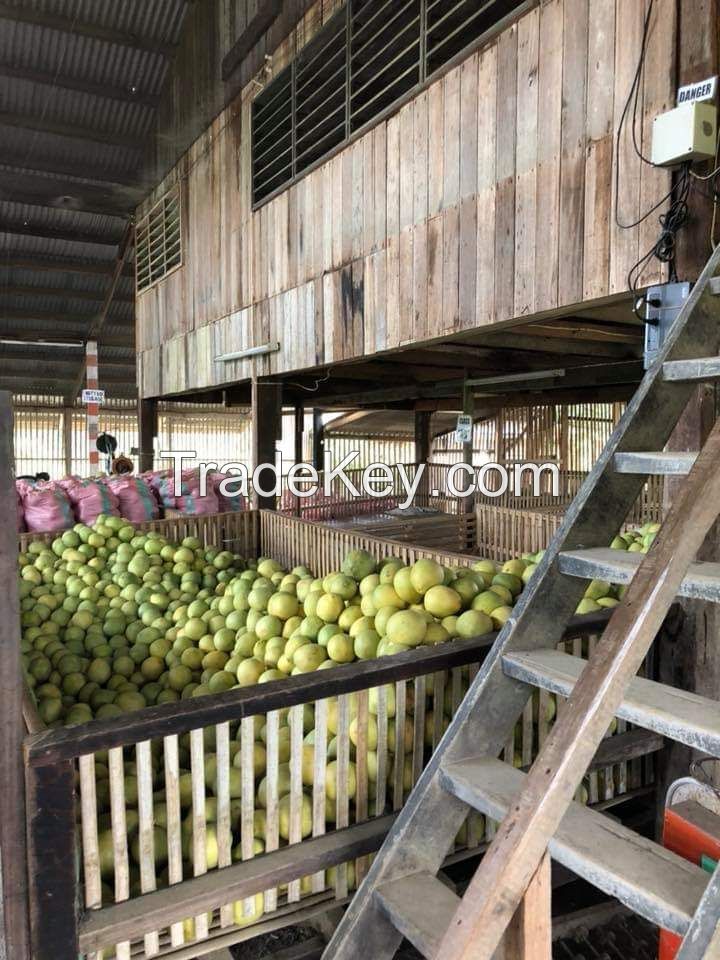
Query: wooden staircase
507	903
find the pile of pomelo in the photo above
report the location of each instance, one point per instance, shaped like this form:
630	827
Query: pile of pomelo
114	620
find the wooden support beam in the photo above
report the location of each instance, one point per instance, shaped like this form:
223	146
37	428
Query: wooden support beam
57	128
318	452
94	31
64	81
148	431
545	344
253	32
72	195
266	432
299	452
27	228
9	354
21	261
423	448
12	823
54	904
529	936
64	373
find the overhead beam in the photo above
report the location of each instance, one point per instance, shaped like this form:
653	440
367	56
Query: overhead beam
66	376
21	261
66	82
61	355
94	31
33	334
24	290
81	320
22	186
68	234
74	131
543	344
262	21
87	168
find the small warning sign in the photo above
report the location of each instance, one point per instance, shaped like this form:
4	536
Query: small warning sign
93	396
464	428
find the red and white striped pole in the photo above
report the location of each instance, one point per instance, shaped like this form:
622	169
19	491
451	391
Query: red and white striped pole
93	409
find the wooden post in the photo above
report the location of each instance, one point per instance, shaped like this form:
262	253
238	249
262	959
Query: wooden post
529	936
52	861
148	431
299	447
318	440
267	430
67	438
467	505
12	823
423	444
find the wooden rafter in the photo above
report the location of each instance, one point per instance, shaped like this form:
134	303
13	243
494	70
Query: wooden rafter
62	334
94	31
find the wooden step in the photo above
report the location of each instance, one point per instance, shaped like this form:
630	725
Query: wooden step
664	464
677	714
420	907
651	881
619	566
704	370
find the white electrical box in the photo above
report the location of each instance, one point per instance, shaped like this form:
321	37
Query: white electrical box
686	133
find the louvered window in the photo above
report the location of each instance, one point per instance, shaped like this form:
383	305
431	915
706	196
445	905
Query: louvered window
158	241
368	57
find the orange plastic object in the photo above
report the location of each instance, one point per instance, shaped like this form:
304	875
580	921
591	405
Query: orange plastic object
691	831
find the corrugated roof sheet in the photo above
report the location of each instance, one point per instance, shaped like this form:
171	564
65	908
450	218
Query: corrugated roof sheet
102	63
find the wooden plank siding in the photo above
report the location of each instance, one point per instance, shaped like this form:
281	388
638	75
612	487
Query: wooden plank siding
489	196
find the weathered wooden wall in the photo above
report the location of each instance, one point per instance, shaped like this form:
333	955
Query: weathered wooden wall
489	196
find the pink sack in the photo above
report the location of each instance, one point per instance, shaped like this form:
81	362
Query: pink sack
234	504
46	507
196	505
90	498
136	499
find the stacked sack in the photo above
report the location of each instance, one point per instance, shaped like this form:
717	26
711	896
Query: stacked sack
90	498
135	496
45	505
234	504
187	500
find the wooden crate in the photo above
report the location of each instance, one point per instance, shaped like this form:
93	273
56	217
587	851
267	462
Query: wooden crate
416	692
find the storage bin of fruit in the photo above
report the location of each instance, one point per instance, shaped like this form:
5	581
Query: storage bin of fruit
212	715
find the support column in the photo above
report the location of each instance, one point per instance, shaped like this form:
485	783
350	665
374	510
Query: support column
267	431
15	934
299	451
148	431
318	452
93	409
467	504
423	444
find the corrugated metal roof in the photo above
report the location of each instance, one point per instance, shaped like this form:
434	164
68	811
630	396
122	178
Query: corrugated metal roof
45	131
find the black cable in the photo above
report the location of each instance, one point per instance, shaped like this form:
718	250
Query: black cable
633	96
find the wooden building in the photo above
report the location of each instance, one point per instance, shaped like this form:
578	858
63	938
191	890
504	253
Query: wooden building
394	230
